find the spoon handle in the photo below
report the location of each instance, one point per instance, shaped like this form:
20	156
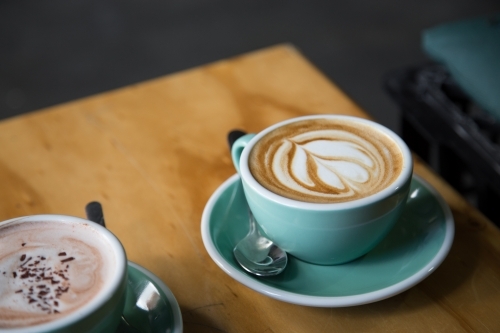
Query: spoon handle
94	213
233	136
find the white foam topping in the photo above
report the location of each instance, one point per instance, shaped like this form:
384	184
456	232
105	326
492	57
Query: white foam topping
344	162
49	269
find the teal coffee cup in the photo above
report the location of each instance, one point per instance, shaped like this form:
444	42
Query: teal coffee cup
60	274
327	188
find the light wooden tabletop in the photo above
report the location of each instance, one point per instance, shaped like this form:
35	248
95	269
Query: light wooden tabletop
154	152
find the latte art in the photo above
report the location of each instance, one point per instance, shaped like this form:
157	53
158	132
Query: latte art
322	160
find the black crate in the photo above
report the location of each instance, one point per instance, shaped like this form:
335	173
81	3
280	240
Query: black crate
450	132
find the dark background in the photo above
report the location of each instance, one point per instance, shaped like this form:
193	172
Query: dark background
60	50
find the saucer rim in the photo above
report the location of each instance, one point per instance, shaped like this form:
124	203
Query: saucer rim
327	301
177	325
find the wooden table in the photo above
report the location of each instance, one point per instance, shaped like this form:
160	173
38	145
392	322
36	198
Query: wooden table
154	152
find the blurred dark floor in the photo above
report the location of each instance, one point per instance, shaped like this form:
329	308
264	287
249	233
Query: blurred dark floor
56	51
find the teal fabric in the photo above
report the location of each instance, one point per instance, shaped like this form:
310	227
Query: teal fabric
470	50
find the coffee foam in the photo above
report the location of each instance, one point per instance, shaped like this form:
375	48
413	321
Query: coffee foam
49	269
325	160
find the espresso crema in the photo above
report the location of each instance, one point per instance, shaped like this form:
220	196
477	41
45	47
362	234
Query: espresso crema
49	270
325	160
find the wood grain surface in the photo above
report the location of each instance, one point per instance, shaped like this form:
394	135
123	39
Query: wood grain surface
154	152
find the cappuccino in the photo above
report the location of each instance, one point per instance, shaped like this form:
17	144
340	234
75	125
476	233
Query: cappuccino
326	160
49	269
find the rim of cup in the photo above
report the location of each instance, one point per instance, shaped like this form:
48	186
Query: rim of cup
406	171
109	287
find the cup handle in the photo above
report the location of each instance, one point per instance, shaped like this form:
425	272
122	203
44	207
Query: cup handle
237	149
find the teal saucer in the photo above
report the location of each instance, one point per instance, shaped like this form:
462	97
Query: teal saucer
169	321
415	247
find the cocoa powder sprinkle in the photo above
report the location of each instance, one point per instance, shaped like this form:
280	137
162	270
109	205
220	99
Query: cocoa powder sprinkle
67	259
24	263
33	271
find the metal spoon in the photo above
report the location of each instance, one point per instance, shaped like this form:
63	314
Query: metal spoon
255	253
259	255
144	306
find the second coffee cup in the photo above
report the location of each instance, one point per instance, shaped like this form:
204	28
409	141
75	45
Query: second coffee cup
325	188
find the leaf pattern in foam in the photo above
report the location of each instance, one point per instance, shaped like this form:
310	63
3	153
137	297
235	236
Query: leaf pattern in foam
327	175
299	166
338	163
333	149
348	171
